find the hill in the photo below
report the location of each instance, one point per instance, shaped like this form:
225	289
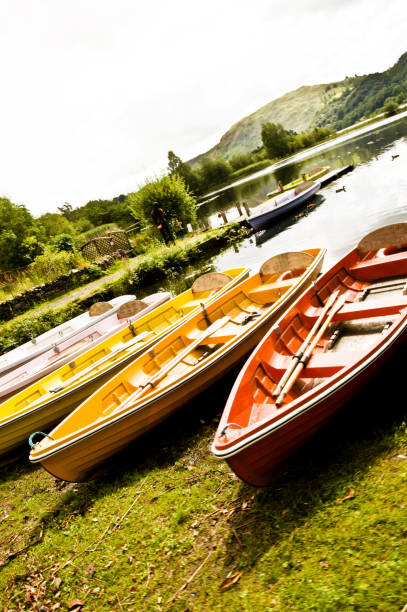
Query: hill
337	104
297	110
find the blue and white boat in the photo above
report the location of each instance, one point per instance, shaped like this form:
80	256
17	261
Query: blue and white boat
281	205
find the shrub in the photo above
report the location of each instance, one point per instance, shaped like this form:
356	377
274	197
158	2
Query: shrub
51	264
64	242
390	108
214	172
144	240
242	160
172	196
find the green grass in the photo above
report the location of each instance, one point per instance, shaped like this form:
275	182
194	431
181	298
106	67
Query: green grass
164	527
45	268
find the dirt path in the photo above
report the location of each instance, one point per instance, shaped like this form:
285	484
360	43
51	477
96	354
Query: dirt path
89	288
95	285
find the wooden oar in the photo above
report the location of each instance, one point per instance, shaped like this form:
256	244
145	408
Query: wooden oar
68	383
303	362
299	354
154	380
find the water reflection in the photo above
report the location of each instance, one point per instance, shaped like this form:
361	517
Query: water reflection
370	147
287	222
376	194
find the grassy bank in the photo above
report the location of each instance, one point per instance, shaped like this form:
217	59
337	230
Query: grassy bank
170	528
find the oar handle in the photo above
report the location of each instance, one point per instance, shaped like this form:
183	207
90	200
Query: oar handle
295	358
304	360
139	338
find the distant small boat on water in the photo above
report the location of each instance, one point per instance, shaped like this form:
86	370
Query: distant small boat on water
312	175
287	202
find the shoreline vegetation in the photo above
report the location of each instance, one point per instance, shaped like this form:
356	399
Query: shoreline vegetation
261	165
50	245
137	278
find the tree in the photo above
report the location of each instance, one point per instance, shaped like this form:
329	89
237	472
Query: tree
54	224
16	226
177	166
214	172
390	108
64	242
67	210
241	160
172	195
276	140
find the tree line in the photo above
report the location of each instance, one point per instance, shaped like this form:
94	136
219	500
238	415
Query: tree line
23	237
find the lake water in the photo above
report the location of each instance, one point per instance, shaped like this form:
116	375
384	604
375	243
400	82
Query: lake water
376	195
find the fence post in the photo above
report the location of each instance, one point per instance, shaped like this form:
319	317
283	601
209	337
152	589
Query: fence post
246	207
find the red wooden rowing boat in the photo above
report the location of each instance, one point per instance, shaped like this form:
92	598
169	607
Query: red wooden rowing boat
330	342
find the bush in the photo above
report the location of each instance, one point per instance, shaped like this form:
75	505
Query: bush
172	196
50	265
144	240
390	108
214	172
93	272
64	242
16	226
241	161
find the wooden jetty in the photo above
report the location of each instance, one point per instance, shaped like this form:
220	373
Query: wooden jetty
335	174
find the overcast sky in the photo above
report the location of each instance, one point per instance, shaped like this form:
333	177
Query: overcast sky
94	93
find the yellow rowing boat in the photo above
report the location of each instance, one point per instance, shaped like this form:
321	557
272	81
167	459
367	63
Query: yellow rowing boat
312	175
48	400
176	369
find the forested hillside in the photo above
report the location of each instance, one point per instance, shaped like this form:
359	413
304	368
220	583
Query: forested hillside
297	110
337	105
366	95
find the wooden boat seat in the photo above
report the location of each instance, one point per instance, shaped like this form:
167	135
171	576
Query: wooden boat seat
320	364
270	292
99	308
374	268
211	281
360	310
222	335
191	305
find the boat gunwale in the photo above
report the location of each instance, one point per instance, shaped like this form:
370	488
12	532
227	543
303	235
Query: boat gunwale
342	377
227	348
324	170
37	404
20	383
276	210
4	369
